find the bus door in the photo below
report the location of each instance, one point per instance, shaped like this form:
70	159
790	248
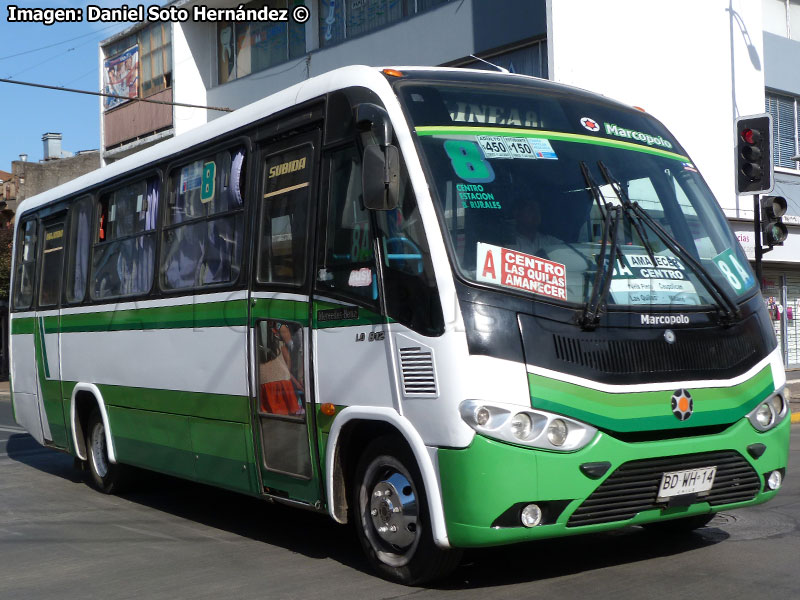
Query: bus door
351	340
280	344
28	407
47	326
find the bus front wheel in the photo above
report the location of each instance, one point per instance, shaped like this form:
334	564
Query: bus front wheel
105	476
392	517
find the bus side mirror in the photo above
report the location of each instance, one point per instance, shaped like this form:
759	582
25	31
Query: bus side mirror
374	118
380	177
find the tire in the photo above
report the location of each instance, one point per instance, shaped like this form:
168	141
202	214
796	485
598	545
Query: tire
104	476
392	518
679	526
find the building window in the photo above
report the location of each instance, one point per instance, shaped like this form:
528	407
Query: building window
155	59
782	17
250	47
785	128
343	19
119	46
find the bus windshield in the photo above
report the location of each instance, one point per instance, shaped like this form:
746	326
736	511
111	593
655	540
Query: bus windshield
524	179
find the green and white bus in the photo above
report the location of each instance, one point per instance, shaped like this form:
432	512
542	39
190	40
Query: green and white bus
454	308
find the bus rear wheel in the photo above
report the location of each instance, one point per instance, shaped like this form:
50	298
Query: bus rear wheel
392	518
105	476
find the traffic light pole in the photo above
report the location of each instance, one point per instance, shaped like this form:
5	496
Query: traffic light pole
757	245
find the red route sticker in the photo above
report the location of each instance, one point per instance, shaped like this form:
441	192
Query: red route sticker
513	269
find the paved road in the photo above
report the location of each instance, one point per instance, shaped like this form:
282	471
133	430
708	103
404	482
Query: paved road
172	539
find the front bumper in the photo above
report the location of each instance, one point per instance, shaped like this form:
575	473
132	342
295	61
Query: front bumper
483	481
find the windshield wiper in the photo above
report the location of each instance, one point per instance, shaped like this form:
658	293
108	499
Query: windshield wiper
721	296
594	189
625	201
605	267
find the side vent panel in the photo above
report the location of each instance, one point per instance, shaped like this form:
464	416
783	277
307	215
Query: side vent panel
417	370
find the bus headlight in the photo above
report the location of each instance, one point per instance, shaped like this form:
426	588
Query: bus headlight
524	426
482	415
764	415
557	432
521	425
768	413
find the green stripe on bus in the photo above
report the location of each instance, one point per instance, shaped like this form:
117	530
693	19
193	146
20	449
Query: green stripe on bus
231	313
22	325
39	342
635	411
212	314
190	404
215	452
548	135
365	316
283	310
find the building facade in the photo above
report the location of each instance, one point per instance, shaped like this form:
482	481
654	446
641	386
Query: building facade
696	66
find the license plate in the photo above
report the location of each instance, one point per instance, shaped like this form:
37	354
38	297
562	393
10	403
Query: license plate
691	481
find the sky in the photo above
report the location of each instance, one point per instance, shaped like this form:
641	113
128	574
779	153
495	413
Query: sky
62	54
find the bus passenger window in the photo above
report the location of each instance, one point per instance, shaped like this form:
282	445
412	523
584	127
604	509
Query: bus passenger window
26	262
52	256
124	253
284	216
348	264
80	223
203	235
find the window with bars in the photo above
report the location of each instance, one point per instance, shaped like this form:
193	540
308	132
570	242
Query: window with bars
785	129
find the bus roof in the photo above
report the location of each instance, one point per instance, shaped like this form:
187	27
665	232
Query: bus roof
314	87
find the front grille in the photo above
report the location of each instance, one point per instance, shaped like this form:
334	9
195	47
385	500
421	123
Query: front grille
705	353
626	355
633	487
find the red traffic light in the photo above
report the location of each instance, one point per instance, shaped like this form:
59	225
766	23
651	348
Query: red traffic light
751	136
753	154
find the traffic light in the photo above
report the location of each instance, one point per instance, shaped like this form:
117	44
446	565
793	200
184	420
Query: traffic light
754	154
773	230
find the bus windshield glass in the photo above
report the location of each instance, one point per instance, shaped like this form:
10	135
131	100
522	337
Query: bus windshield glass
525	177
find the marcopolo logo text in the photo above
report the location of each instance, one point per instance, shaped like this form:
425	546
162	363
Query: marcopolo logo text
665	319
650	140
